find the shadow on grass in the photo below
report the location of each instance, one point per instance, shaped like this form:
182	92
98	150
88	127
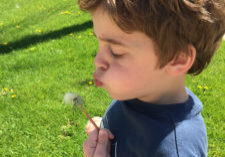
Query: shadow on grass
34	39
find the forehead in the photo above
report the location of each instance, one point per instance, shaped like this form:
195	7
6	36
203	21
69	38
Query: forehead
106	28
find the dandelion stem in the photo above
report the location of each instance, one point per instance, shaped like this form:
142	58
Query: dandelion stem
97	128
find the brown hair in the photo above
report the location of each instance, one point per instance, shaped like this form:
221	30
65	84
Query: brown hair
171	24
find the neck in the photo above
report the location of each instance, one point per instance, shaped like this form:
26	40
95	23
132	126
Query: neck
171	93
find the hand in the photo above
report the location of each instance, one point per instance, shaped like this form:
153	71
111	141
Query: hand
97	143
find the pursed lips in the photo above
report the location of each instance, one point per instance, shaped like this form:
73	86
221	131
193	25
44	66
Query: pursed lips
97	81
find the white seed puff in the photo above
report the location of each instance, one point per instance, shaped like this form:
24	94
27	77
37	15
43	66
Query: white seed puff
72	98
76	100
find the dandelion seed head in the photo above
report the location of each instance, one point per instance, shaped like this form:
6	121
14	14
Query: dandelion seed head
72	98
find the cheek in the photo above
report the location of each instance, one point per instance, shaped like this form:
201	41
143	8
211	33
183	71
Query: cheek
124	84
122	76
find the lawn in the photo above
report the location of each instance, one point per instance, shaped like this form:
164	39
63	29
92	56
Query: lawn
47	48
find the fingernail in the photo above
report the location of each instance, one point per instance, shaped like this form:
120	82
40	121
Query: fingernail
111	136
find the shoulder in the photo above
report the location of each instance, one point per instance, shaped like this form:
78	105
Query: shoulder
192	137
111	110
112	104
191	133
188	139
194	97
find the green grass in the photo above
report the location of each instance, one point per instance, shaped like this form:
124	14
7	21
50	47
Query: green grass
49	50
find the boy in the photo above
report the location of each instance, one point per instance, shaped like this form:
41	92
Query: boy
146	48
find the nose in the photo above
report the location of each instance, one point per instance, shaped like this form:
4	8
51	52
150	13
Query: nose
100	61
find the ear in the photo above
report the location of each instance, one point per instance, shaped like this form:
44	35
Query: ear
182	63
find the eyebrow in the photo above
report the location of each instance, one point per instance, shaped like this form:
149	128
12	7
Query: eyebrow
112	41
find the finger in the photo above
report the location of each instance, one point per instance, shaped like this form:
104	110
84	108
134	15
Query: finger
93	138
102	149
89	127
110	135
88	151
90	144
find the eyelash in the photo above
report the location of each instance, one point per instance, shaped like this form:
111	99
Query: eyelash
115	55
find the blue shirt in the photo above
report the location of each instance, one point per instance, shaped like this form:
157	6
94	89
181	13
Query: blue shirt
147	130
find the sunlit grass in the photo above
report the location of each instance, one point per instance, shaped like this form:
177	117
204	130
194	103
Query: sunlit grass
49	50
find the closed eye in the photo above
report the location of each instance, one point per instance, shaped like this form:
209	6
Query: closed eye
115	55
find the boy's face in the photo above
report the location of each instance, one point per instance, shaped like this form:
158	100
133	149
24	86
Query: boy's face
125	63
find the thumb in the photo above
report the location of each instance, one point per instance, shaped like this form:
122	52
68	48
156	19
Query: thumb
102	149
